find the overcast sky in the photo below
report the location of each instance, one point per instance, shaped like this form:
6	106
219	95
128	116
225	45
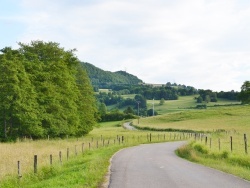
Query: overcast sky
200	43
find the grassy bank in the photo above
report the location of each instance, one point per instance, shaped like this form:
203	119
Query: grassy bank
85	170
233	163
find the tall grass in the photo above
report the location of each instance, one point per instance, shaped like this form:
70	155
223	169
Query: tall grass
104	142
236	162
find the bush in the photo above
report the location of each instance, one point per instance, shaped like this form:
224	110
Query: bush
201	149
116	116
201	106
224	155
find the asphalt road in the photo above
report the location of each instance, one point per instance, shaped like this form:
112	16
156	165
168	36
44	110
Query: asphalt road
128	126
157	166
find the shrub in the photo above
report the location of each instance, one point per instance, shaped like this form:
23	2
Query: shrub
201	149
224	155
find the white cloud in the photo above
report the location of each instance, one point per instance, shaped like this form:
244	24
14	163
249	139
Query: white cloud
204	44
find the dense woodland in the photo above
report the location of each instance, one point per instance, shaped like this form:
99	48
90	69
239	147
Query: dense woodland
44	91
106	79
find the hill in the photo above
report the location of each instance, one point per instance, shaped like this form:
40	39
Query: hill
104	79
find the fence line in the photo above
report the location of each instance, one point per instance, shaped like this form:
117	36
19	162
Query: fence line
231	145
105	143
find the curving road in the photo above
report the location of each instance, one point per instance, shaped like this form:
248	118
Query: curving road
157	166
128	126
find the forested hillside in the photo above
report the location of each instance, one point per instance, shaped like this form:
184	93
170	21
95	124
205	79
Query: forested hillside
107	79
44	91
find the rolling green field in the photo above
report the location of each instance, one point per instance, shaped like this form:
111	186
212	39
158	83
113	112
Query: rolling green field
207	120
183	104
89	155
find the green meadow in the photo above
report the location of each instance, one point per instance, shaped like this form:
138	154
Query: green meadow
89	156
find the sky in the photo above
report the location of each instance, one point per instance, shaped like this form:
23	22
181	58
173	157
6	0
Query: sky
199	43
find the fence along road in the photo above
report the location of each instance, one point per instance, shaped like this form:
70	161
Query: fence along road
157	166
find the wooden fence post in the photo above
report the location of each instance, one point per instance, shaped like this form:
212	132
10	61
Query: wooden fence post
50	159
19	169
75	150
231	143
210	142
82	147
245	142
150	137
206	140
35	164
67	154
60	157
219	143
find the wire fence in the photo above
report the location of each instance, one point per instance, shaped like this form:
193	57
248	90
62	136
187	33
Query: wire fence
235	143
33	163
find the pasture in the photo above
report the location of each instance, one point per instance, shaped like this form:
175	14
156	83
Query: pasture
84	161
206	120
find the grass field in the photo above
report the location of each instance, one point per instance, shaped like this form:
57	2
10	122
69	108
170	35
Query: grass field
211	119
183	103
88	168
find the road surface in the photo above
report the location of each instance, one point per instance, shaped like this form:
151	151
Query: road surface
157	166
128	126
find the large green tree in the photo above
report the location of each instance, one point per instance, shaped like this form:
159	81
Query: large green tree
18	105
244	95
44	90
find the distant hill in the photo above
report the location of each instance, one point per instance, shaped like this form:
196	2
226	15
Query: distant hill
104	79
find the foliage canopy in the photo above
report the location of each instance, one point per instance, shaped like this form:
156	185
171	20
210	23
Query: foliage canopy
44	91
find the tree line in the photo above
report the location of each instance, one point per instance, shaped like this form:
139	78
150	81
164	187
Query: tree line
44	90
211	96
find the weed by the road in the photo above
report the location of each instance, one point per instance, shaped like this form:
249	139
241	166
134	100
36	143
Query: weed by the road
224	161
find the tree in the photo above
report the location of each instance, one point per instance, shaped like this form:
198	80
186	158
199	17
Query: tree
199	99
19	108
152	112
244	95
162	101
207	98
44	90
102	109
87	108
129	110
